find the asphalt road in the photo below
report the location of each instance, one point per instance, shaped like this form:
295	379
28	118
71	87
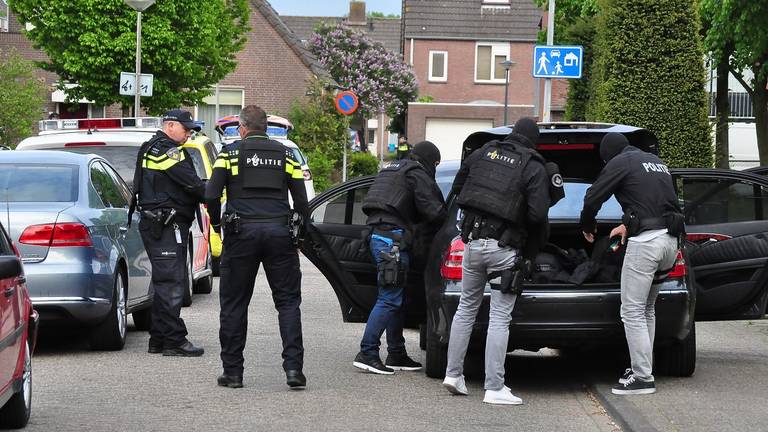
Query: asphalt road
77	389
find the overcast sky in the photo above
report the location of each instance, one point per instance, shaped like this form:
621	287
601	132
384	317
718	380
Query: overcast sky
332	7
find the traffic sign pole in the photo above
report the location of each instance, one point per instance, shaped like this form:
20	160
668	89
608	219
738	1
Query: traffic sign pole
548	81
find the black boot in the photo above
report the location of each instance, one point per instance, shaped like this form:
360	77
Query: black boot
295	379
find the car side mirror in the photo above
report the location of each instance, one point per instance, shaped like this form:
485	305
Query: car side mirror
10	267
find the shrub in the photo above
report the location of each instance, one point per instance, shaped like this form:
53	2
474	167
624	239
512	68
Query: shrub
650	73
362	164
323	171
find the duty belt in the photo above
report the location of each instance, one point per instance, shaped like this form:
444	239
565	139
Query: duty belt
250	219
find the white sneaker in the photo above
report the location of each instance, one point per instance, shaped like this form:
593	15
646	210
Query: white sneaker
501	397
456	386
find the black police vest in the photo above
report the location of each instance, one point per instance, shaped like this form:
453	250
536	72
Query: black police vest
495	184
157	190
390	192
261	165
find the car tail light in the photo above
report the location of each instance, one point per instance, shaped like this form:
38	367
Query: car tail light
451	267
307	175
679	270
56	235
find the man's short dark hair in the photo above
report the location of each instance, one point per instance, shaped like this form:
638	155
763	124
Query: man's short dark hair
254	118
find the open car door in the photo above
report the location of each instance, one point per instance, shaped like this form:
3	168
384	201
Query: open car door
336	245
725	214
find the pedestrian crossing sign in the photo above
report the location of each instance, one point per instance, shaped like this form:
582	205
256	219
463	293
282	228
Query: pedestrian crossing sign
557	61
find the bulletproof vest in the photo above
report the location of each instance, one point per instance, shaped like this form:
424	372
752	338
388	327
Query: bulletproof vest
390	192
495	186
156	189
261	165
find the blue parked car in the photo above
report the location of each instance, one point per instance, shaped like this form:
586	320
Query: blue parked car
67	215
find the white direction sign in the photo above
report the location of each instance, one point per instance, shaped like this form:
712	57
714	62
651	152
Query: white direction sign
128	84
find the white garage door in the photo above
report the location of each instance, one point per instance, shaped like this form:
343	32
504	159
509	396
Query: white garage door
449	134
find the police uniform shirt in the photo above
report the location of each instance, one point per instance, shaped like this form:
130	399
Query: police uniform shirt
167	177
227	174
639	180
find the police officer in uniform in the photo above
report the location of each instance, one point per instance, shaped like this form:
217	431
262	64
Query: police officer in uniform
404	194
258	173
168	191
403	148
654	225
502	189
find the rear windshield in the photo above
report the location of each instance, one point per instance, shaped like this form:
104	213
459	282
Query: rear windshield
122	158
38	183
570	206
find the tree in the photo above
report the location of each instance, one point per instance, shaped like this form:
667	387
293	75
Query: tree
379	77
188	46
650	73
567	12
22	98
736	31
374	14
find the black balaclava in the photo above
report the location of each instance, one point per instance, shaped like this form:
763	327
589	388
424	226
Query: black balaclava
528	129
427	154
612	144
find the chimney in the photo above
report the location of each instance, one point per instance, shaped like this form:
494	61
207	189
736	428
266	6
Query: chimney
357	13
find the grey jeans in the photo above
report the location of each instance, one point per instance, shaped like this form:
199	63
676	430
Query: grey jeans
638	297
482	257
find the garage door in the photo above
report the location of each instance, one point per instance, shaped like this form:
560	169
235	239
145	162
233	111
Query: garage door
449	134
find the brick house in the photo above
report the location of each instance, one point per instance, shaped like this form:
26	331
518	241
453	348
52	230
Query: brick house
272	71
455	47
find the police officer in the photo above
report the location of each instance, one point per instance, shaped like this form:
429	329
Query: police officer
502	189
653	223
403	148
258	173
403	195
168	192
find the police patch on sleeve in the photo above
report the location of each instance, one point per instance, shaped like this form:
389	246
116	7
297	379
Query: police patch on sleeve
173	153
557	180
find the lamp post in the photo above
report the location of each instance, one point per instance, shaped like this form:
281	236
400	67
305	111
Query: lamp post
139	6
507	64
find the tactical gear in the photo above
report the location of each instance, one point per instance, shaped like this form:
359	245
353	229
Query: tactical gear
390	194
158	219
262	163
510	280
295	226
391	272
495	185
231	223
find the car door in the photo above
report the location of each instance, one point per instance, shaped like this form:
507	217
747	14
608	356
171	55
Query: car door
139	267
336	245
727	231
10	310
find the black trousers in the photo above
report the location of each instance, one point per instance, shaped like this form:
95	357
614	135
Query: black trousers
257	243
169	278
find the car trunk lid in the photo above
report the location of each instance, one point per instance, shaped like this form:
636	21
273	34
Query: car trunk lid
22	216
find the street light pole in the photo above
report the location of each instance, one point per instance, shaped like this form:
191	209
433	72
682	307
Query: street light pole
507	65
548	81
139	6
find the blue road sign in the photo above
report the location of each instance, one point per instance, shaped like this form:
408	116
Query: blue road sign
346	102
552	61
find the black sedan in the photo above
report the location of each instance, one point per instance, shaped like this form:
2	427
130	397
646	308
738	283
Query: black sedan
721	272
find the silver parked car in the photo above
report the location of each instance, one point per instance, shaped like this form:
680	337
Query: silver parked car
67	214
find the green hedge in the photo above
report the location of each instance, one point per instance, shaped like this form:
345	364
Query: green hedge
649	72
362	164
581	32
322	168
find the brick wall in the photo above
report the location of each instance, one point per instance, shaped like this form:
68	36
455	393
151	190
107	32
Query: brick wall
271	73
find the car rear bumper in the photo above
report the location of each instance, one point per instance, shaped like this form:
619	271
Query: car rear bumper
70	293
558	318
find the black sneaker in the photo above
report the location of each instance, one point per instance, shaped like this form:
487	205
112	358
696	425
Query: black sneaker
625	376
295	380
401	362
155	347
634	386
185	350
371	364
231	381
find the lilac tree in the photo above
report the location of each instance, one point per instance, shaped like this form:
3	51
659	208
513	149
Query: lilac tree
379	77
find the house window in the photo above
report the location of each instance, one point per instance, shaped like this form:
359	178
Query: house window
4	15
438	66
230	102
487	59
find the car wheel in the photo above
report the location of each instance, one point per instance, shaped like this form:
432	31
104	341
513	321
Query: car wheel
204	285
678	359
15	413
142	319
110	334
190	279
437	354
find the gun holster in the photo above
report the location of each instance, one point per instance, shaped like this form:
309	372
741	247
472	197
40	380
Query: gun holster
159	219
295	225
231	223
390	270
632	222
510	280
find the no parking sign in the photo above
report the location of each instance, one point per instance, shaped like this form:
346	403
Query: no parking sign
346	102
